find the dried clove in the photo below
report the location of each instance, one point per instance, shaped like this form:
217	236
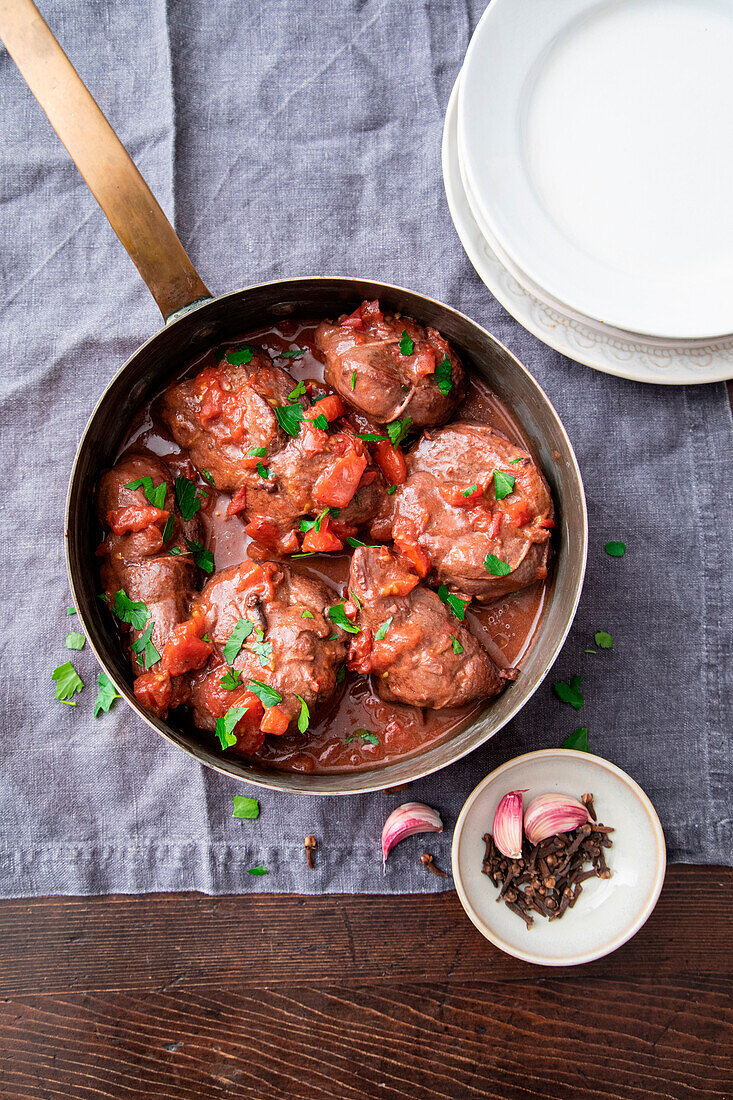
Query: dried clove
547	877
310	847
427	861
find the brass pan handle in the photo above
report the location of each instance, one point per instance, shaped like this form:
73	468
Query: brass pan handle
124	196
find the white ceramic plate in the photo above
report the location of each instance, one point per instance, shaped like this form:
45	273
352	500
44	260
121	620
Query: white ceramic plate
609	911
595	136
597	346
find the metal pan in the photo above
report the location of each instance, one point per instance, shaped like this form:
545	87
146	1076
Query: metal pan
194	321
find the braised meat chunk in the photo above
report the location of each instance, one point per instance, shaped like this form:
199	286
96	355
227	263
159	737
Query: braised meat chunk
276	652
390	367
148	574
325	471
474	513
417	650
225	417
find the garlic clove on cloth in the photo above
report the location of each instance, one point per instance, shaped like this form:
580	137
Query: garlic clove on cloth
406	820
549	814
507	827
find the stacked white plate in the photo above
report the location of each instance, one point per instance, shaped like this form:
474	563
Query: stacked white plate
588	165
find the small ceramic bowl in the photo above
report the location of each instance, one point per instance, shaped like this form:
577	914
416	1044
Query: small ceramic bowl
609	911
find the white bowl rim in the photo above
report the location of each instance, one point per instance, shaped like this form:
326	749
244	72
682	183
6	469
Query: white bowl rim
642	917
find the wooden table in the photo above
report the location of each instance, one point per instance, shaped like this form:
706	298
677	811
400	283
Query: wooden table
283	997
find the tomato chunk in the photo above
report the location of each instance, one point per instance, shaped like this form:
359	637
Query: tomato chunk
517	512
400	586
154	691
495	527
124	521
462	496
360	650
238	503
275	721
314	441
391	462
415	554
185	650
323	540
330	406
337	485
211	393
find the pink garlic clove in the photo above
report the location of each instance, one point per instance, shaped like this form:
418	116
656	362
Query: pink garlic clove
549	814
413	817
507	828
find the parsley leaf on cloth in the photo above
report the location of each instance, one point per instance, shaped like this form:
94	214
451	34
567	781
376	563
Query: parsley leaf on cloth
603	640
245	807
68	682
569	693
107	695
75	641
578	739
615	549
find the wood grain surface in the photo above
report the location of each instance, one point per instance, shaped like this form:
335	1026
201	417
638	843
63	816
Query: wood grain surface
280	997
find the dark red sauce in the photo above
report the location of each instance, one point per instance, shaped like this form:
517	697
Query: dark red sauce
506	626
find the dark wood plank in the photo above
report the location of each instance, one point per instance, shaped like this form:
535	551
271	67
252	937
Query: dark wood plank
155	941
349	997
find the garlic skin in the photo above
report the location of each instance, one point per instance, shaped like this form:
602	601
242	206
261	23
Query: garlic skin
549	814
507	827
406	820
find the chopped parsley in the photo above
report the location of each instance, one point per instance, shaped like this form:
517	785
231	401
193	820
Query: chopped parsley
239	356
297	392
353	380
407	346
341	674
130	611
305	715
306	614
186	498
578	739
263	650
289	417
75	641
337	615
207	475
309	524
357	542
231	679
266	694
262	470
616	549
294	353
320	422
514	461
569	693
444	376
391	489
257	452
496	566
260	870
107	695
457	647
470	490
203	558
398	429
355	599
367	737
248	808
144	645
241	631
603	640
71	611
383	629
503	484
245	807
225	726
168	529
154	494
455	603
68	682
371	437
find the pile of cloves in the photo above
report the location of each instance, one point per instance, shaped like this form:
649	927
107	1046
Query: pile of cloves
548	876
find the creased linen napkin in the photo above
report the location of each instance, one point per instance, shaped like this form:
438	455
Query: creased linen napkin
286	139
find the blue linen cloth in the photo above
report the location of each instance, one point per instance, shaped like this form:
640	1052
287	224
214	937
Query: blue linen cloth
285	139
